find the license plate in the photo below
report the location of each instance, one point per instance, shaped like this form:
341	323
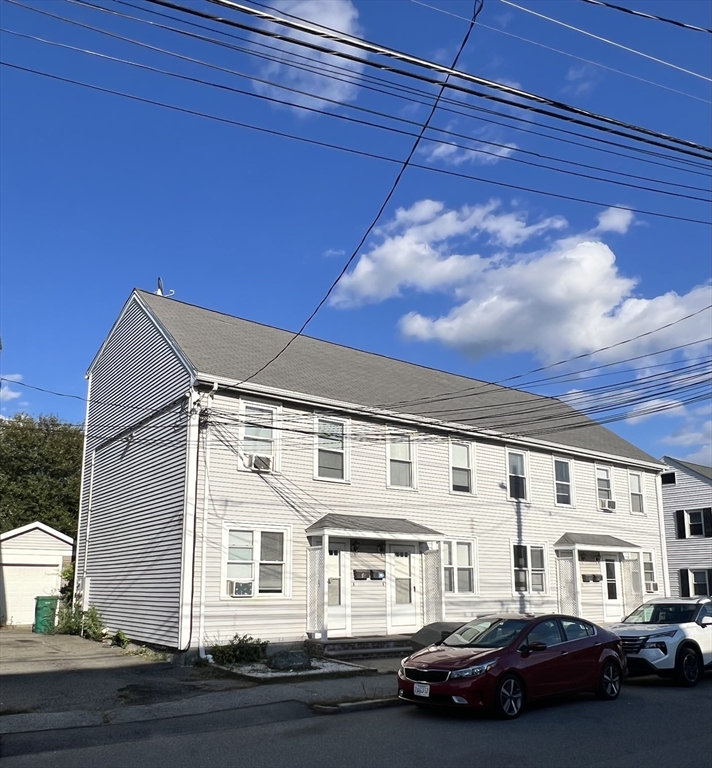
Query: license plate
421	689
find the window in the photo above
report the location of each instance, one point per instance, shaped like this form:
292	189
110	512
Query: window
693	523
400	462
611	580
695	526
529	569
546	632
458	566
699	583
516	462
649	572
255	563
636	492
605	489
576	630
562	477
258	441
461	467
668	478
331	460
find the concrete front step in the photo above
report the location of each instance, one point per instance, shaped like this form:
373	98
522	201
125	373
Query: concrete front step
360	647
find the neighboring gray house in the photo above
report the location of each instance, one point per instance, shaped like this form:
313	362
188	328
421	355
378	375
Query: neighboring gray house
340	493
687	502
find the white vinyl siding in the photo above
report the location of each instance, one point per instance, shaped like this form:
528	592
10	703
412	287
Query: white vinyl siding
563	483
401	461
517	475
461	474
331	459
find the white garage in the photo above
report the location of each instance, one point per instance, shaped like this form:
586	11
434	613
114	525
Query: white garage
31	560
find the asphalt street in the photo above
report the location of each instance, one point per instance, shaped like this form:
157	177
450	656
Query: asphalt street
653	723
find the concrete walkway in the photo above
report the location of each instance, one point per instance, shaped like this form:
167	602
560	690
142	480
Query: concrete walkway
58	681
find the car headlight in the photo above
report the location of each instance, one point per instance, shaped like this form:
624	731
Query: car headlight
659	636
477	671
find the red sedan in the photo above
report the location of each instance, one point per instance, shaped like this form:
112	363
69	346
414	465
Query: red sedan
504	660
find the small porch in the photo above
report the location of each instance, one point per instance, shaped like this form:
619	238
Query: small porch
371	579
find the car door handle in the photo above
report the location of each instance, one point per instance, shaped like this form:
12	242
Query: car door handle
564	653
595	644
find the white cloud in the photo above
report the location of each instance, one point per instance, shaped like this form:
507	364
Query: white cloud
580	80
416	250
480	152
337	14
695	433
614	220
332	252
6	392
701	456
656	407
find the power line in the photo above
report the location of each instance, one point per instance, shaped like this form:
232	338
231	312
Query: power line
643	15
605	40
362	79
476	10
684	146
563	53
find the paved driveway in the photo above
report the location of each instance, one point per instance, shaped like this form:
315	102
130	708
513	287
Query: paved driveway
53	673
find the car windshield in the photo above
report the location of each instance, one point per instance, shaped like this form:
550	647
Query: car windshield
662	613
487	633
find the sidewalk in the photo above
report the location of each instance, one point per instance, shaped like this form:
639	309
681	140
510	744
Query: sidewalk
362	688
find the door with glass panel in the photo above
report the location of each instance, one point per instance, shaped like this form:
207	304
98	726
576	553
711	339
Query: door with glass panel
337	582
612	597
404	593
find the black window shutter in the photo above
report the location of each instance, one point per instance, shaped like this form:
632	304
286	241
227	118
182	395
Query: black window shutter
684	583
680	524
707	520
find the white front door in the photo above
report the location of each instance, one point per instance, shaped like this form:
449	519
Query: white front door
336	569
612	597
403	588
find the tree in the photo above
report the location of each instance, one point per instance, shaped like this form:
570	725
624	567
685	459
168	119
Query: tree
40	472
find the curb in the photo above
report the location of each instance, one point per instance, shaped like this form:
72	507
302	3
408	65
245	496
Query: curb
300	678
356	706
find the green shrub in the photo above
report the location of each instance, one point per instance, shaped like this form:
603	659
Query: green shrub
67	588
121	640
73	621
242	649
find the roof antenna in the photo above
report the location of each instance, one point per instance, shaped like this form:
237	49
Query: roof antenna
159	291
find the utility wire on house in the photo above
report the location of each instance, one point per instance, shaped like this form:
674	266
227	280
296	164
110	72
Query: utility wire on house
605	40
333	115
564	53
365	81
643	15
570	113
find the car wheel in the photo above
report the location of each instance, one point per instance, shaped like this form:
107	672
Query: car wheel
609	685
509	698
688	669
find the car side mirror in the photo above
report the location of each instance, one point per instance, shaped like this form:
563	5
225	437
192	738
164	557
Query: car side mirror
706	621
537	646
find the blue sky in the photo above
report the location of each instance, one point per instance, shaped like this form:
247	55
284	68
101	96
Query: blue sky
101	194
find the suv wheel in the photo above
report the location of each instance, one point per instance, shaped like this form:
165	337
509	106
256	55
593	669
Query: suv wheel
509	699
609	685
688	669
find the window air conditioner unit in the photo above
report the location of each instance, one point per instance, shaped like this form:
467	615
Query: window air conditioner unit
262	463
608	505
239	588
651	586
248	460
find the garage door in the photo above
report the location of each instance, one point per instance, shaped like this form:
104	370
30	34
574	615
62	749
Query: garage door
20	585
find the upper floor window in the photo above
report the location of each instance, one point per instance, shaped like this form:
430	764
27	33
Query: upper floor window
258	441
604	488
517	484
255	563
459	566
461	467
693	523
331	459
529	568
400	461
636	492
668	478
562	474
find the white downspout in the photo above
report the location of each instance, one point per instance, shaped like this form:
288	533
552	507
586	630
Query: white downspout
663	539
90	499
204	535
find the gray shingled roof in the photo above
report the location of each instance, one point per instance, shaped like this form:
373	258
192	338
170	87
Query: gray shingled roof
232	348
701	469
358	523
591	540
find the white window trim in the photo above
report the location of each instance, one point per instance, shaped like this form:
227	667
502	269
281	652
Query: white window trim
475	568
642	492
527	484
471	449
413	459
570	462
276	433
691	580
547	579
257	528
346	480
689	535
609	469
654	580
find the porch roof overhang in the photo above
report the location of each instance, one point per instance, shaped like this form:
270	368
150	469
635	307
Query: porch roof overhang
593	541
368	527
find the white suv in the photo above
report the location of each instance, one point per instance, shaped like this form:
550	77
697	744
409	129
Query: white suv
670	637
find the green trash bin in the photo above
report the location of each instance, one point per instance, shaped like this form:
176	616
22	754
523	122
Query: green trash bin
45	614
